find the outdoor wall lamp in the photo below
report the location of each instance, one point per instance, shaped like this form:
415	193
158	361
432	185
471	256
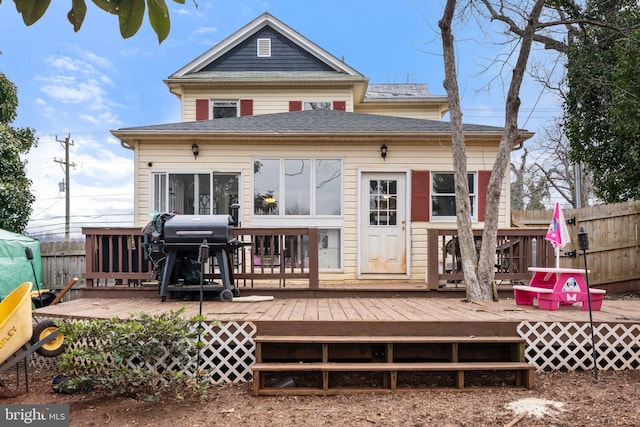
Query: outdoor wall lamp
194	149
383	152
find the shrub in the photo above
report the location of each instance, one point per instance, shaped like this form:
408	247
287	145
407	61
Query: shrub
143	354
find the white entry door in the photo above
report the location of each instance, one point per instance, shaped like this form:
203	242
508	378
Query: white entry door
383	226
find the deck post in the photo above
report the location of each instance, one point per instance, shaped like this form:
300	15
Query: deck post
432	259
314	282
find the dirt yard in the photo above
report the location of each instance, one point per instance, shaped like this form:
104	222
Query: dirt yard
559	399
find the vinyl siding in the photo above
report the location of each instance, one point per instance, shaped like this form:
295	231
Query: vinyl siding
265	101
285	56
358	156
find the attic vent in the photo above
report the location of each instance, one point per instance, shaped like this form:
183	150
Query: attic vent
264	48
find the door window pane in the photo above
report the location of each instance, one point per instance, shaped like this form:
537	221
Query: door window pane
328	187
383	196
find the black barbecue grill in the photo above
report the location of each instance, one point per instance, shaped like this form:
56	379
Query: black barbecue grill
191	230
178	252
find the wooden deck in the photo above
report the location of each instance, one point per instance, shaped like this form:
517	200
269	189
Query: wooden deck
347	310
425	329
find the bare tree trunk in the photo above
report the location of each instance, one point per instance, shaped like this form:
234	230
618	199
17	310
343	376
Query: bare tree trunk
479	276
458	149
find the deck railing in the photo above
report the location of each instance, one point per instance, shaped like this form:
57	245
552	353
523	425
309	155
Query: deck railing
118	256
515	251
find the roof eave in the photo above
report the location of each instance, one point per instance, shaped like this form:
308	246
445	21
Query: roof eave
128	136
359	83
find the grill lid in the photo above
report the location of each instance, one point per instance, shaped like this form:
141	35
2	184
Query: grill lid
193	229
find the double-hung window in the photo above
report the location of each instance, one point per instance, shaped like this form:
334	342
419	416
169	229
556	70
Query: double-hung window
443	195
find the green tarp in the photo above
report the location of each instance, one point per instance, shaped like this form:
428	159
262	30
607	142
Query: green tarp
15	268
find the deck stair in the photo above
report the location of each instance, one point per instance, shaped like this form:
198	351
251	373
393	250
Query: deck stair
317	365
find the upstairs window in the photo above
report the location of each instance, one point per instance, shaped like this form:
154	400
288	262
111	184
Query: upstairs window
224	108
264	48
317	105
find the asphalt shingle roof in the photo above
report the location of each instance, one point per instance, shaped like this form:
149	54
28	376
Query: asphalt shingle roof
312	121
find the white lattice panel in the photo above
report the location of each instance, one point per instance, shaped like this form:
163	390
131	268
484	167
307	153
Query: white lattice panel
229	352
559	346
226	356
229	349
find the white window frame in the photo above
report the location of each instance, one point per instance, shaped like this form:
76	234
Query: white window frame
322	222
282	194
473	195
213	103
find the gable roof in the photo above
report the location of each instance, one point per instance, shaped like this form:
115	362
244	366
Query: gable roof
320	123
264	23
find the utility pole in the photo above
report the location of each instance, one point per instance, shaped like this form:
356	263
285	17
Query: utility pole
65	165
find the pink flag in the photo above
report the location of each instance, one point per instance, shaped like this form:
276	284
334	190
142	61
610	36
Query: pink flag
558	234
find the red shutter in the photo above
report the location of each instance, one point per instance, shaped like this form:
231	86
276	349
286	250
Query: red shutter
202	109
420	200
483	183
295	105
246	107
340	105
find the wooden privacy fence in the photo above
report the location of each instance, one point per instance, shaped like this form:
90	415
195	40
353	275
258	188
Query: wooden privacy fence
61	262
613	256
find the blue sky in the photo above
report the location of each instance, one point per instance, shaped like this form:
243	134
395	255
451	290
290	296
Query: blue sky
85	84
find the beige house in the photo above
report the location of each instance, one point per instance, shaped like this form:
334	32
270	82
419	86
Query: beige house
298	138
